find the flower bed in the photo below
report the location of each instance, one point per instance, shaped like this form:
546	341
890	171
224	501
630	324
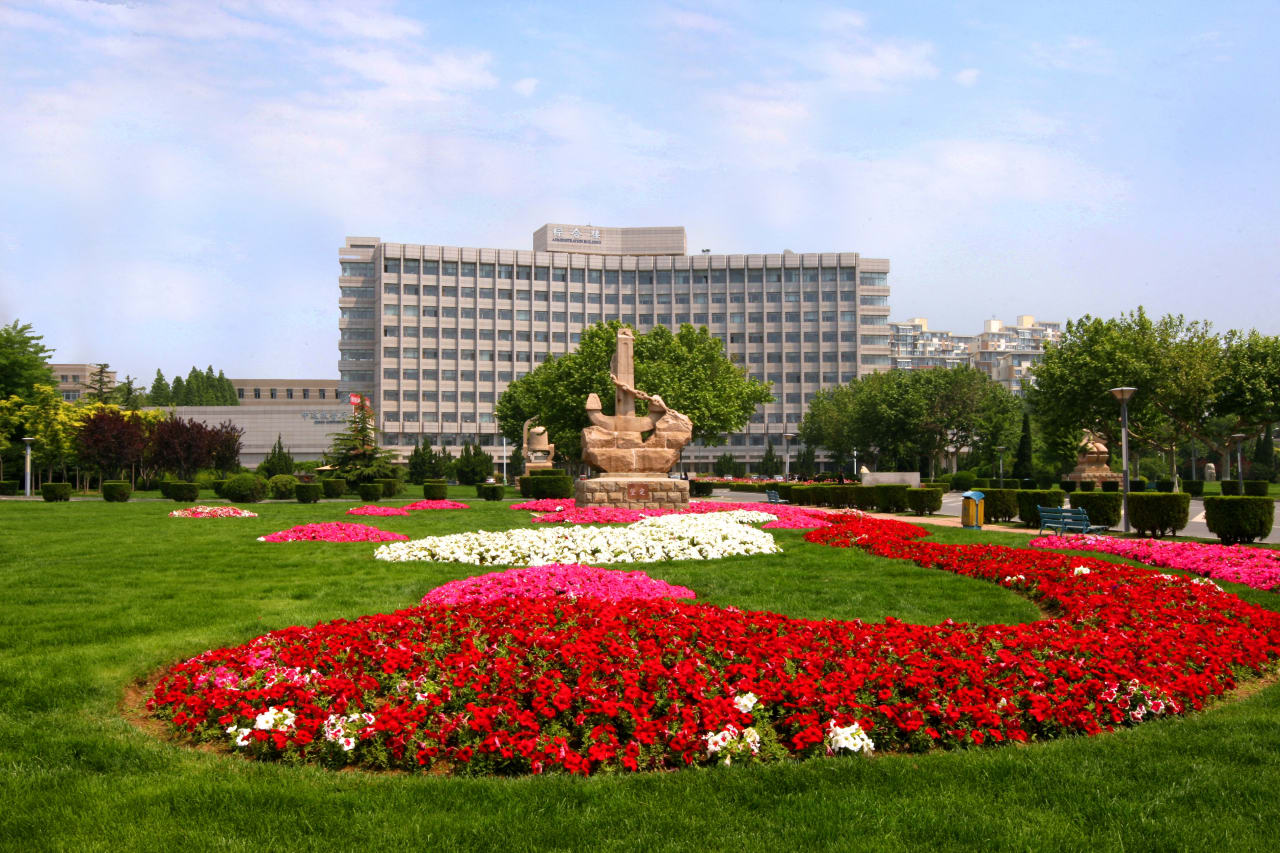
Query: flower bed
515	685
671	537
202	511
570	581
435	504
780	515
546	505
1255	567
333	532
374	509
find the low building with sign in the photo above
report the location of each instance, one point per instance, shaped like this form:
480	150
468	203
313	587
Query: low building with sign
305	428
433	334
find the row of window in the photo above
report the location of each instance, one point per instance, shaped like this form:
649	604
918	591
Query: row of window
520	272
443	417
524	315
275	393
643	297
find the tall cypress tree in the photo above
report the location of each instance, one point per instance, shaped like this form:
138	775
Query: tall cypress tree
160	393
228	391
769	463
196	393
178	396
1022	461
1264	457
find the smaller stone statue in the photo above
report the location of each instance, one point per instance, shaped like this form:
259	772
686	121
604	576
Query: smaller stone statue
1210	472
537	451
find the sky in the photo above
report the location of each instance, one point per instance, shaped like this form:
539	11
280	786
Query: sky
176	178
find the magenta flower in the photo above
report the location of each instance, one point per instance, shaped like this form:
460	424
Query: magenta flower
374	509
333	531
1255	567
569	580
416	505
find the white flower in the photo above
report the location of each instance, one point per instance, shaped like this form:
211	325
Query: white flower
245	738
745	702
348	744
850	738
1080	570
274	718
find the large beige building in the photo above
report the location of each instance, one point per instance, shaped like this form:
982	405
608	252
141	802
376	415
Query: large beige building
433	334
73	379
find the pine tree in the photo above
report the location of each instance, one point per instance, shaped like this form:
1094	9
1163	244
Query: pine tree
160	393
418	462
99	383
769	463
228	391
725	465
355	452
196	394
806	464
1022	469
278	461
178	394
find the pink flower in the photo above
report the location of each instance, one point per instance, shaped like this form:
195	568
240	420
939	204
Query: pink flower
417	505
374	509
1255	567
332	531
546	505
202	511
567	512
570	580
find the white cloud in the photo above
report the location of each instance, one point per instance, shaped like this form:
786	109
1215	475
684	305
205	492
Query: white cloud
685	19
876	66
525	86
1074	53
967	77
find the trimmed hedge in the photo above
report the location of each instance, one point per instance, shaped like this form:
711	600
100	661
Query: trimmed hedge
1158	513
1088	486
217	486
334	487
1068	486
244	488
281	487
1000	504
784	491
390	486
1231	487
922	501
184	492
864	497
1030	500
542	486
546	472
1257	488
1164	485
435	490
8	487
704	489
491	491
1239	519
804	495
116	491
962	481
164	489
1195	488
891	497
1109	486
1137	484
52	492
374	491
1103	507
308	493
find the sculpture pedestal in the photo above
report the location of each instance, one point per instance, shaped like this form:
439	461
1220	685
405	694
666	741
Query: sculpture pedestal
634	491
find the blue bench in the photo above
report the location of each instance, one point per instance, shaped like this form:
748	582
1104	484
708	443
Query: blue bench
1067	520
773	497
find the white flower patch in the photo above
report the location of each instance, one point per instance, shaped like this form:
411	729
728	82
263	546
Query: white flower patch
670	537
850	738
732	742
1080	570
745	702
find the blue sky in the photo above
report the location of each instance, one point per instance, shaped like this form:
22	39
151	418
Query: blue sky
176	177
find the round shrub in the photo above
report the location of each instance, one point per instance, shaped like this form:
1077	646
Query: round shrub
8	487
982	483
56	492
1195	488
244	488
435	490
1103	507
1137	484
1257	488
1231	487
922	501
308	493
891	497
1067	486
962	481
1164	485
334	487
281	487
1088	486
1030	500
217	486
1237	520
1110	485
546	472
701	489
542	486
184	492
390	486
1158	513
164	489
864	497
491	491
374	491
1000	504
116	491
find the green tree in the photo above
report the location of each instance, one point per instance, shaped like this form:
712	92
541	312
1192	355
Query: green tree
769	464
416	470
726	465
278	461
687	369
98	384
178	394
355	452
440	464
23	360
129	395
473	465
1022	464
806	464
42	414
160	393
1264	457
227	391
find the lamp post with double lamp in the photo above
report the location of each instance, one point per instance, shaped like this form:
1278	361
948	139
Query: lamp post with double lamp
1123	394
1239	437
1000	450
786	455
28	441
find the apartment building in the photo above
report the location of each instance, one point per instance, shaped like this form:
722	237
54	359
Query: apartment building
1005	352
433	334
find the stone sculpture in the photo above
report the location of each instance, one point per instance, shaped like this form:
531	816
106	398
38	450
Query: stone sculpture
537	451
1210	472
1093	462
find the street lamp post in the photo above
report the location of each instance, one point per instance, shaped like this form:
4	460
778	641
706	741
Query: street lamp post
1240	437
786	460
1000	450
28	441
1123	394
504	459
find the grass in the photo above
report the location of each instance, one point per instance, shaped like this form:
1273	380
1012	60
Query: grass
98	595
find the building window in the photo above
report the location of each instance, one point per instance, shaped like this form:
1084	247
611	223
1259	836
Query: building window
288	393
239	393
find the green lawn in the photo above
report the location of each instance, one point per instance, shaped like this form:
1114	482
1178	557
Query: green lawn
99	595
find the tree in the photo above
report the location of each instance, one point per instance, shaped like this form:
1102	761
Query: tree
128	395
278	461
23	360
806	464
1264	457
228	396
769	464
1022	466
688	370
160	395
42	414
355	452
473	465
181	446
178	393
108	441
98	384
416	470
225	444
726	465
